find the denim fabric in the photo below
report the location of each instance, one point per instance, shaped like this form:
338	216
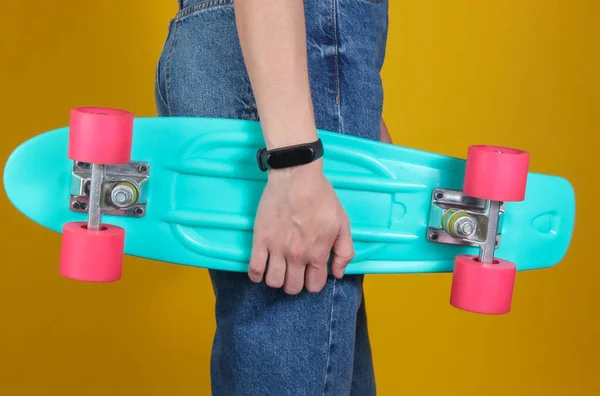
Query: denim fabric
267	342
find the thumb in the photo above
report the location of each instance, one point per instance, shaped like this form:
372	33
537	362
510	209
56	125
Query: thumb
343	251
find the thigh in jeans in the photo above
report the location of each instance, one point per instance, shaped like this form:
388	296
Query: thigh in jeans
266	343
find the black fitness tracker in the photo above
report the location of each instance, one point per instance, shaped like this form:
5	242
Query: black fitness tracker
286	157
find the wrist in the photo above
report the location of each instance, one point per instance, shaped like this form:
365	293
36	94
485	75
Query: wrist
290	138
289	131
307	171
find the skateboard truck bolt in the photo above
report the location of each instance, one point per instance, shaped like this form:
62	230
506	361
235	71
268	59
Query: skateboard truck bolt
124	195
465	226
458	223
120	197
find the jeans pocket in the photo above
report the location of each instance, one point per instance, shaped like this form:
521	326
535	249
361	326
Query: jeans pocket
162	71
199	6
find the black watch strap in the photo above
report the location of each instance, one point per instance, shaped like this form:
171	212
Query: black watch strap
285	157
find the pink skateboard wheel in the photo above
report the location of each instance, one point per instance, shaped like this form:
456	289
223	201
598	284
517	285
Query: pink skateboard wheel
482	288
100	136
496	173
92	256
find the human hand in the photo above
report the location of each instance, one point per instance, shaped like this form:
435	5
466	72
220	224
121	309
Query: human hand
299	221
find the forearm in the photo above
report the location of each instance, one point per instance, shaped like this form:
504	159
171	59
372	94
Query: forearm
273	40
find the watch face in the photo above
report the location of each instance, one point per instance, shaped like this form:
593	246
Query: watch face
291	157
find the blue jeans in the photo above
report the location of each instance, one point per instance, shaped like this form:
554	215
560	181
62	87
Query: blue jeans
267	342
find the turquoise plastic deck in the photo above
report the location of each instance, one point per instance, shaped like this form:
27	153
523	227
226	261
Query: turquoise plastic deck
205	186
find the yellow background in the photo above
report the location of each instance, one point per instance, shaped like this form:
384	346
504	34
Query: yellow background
516	73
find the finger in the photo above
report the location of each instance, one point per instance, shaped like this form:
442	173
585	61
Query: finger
276	271
294	277
343	252
258	262
316	276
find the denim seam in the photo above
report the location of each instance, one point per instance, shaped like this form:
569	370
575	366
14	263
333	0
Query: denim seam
204	5
252	109
331	321
338	99
157	79
169	98
157	85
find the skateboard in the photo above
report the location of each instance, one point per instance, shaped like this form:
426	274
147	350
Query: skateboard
184	190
